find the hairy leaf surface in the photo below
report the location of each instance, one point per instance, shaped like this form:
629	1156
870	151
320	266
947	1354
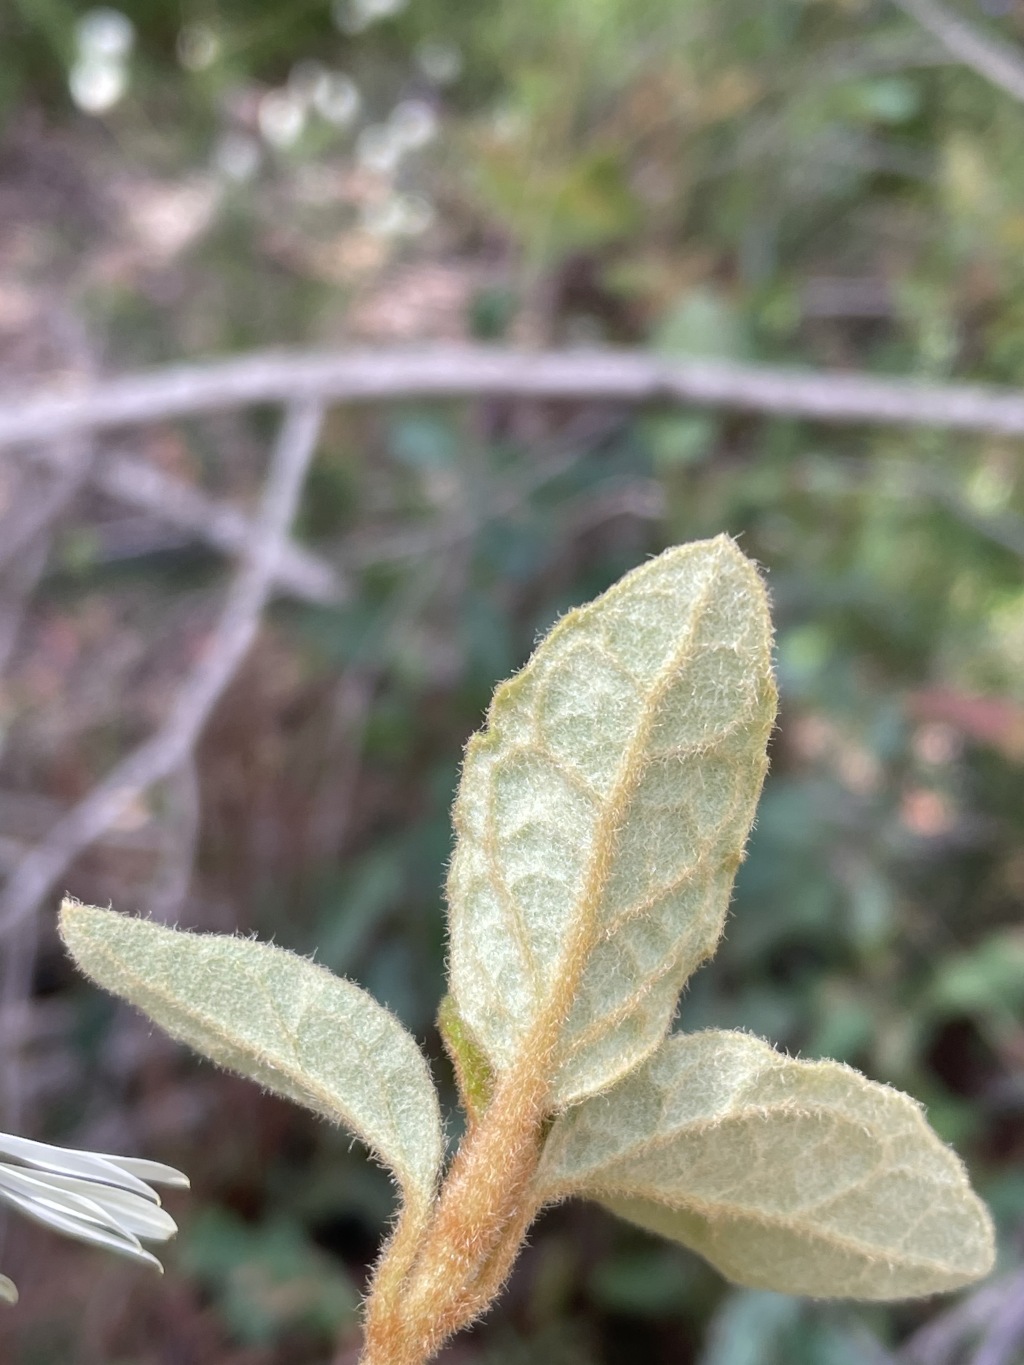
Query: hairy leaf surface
602	815
802	1177
279	1019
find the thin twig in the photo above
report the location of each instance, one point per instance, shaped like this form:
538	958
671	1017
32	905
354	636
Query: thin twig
472	371
641	499
26	817
219	524
164	752
990	57
27	541
1004	1335
26	551
939	1341
33	518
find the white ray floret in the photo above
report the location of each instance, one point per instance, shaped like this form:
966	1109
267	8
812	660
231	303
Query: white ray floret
91	1196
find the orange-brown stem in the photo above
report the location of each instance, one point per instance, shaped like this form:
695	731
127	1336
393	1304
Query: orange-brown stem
398	1257
472	1239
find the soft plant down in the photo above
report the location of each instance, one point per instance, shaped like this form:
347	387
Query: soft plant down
601	816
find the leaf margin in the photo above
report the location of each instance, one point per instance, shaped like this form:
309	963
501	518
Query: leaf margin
722	557
691	1220
97	959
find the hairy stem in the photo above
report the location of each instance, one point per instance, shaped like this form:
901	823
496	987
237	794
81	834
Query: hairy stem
396	1261
477	1228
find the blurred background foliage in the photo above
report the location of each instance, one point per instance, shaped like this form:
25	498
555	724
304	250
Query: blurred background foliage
809	181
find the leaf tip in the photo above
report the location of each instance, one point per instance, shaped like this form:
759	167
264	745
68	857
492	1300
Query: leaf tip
78	923
71	920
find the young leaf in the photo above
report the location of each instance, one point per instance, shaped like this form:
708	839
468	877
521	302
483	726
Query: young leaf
472	1072
802	1177
279	1019
602	815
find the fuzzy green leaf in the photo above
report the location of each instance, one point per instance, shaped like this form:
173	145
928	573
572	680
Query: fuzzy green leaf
602	815
801	1177
279	1019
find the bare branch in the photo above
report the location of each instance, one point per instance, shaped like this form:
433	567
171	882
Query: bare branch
996	61
23	566
474	371
164	752
1004	1335
219	524
26	817
33	518
940	1340
28	536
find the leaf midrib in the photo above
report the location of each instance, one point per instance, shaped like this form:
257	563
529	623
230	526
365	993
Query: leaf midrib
743	1114
802	1225
543	1036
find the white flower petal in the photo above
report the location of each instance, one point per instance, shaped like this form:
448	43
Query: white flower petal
124	1209
8	1290
65	1213
49	1198
127	1173
99	1199
154	1171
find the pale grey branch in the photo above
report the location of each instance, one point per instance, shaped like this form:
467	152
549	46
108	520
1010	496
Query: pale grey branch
475	371
1003	1340
989	57
28	532
219	524
26	551
35	513
940	1341
164	752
